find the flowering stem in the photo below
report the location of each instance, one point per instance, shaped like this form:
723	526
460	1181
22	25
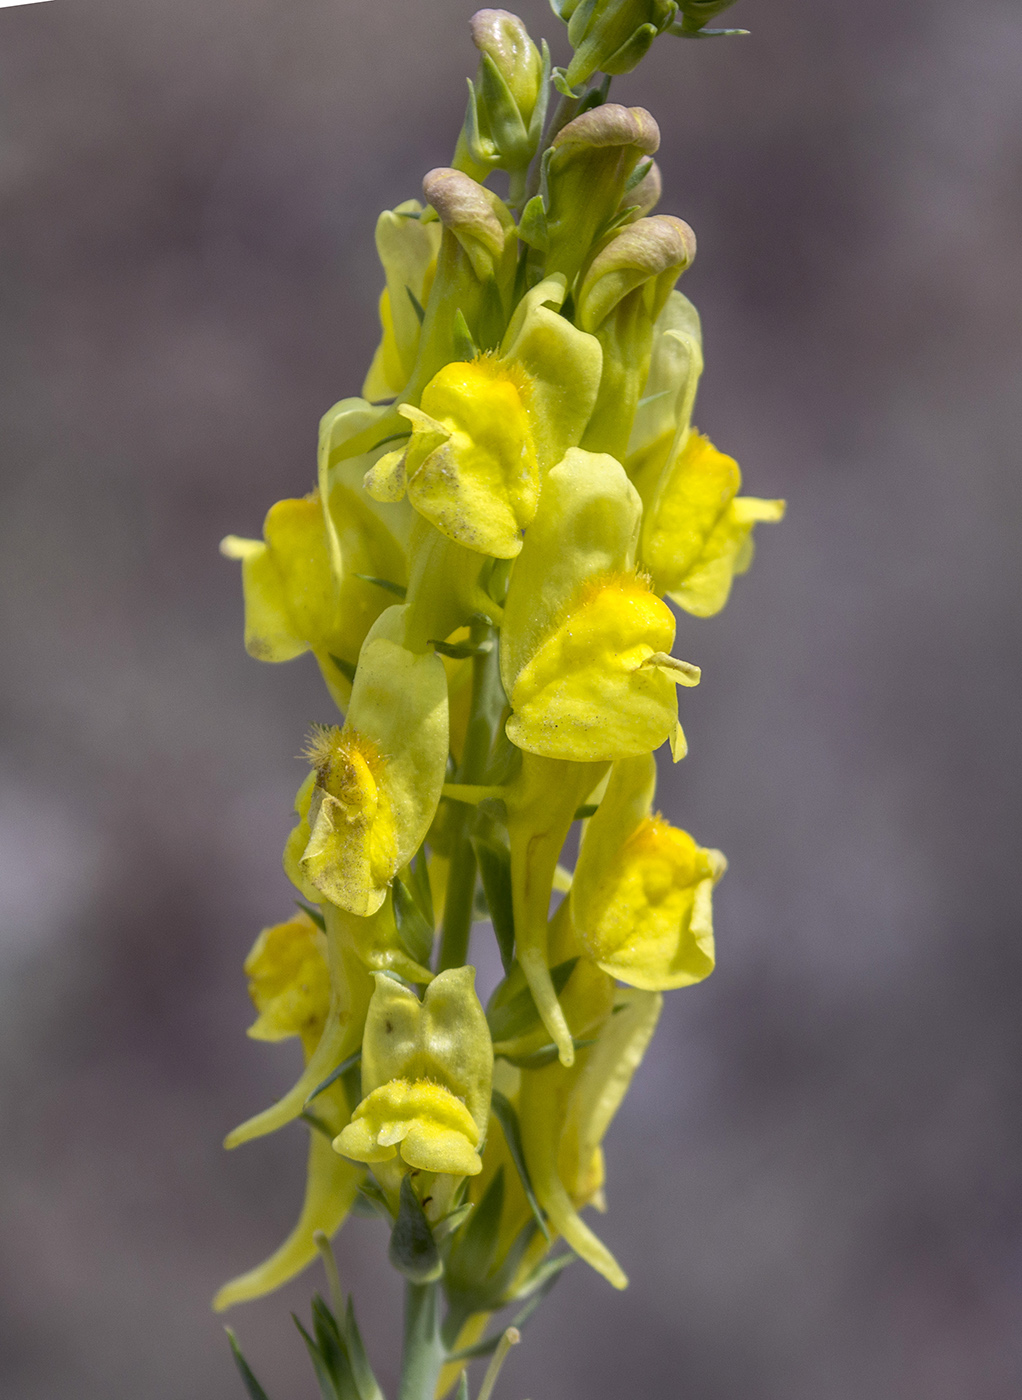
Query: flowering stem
423	1352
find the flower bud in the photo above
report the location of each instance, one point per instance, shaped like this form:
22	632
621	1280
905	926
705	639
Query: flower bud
611	36
378	780
426	1073
623	292
507	101
697	532
472	289
289	982
407	246
641	896
590	163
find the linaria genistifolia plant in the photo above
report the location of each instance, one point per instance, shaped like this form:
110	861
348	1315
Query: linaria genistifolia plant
480	573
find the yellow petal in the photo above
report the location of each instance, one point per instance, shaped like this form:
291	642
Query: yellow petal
588	693
471	463
643	911
423	1121
289	982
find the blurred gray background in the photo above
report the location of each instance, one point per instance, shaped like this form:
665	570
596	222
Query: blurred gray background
815	1184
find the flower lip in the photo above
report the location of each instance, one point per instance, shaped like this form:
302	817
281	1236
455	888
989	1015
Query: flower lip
611	125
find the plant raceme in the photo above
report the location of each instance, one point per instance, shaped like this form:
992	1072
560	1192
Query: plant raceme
483	572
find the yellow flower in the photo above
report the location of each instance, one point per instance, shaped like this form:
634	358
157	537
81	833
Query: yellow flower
350	991
378	779
507	101
289	982
426	1073
697	532
641	899
585	643
307	583
291	596
434	1130
470	467
487	430
541	805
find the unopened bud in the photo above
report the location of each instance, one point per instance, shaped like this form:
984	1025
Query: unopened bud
506	102
612	36
622	294
591	162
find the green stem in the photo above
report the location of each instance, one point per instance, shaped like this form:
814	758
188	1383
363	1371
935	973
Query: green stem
423	1353
461	878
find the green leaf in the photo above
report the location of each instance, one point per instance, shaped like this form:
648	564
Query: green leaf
463	1387
417	305
398	589
327	1386
504	1111
415	933
313	913
464	346
512	1013
545	1055
586	810
336	1074
413	1250
317	1123
346	668
471	1255
638	174
255	1390
532	228
420	886
365	1380
452	1222
540	1282
459	650
392	437
495	871
371	1193
333	1350
536	1288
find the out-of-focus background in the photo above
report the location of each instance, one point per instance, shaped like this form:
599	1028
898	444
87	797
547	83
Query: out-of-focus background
816	1183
